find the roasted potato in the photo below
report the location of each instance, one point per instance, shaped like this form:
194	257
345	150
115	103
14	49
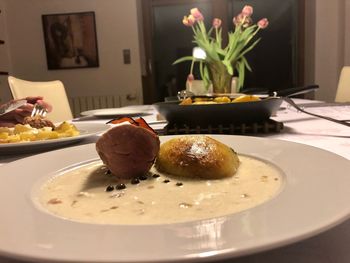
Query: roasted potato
246	98
66	129
222	100
197	156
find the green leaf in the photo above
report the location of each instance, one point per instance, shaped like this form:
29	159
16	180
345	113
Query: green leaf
187	58
204	74
210	31
241	74
249	48
246	64
229	69
228	66
238	42
219	38
201	70
221	54
206	77
226	62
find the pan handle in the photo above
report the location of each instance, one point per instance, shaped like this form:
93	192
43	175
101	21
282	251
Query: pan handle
282	93
294	91
258	92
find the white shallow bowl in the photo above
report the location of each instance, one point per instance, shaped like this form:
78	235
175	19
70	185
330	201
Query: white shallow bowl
315	197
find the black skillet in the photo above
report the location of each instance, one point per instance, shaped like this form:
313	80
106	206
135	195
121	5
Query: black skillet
226	113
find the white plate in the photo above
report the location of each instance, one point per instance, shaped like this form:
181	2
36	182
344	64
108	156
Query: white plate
119	112
86	130
315	198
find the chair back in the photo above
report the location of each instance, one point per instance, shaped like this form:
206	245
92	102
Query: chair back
52	91
343	90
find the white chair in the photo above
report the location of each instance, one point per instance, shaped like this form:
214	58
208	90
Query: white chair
52	91
343	90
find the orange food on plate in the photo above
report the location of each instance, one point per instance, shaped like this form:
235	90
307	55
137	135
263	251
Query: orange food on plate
37	130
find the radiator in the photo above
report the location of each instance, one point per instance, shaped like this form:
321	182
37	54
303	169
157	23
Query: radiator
84	103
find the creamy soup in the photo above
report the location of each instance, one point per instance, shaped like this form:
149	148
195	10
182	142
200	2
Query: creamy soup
90	194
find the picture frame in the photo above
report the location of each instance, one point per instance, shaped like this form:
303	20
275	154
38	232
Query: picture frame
70	40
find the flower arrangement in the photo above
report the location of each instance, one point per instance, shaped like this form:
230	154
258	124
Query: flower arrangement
219	64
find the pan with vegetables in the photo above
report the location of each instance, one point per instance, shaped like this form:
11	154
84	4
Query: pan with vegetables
226	108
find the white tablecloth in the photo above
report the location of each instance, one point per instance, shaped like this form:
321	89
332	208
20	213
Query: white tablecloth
332	246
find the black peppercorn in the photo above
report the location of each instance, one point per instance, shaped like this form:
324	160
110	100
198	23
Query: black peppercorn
155	175
143	177
109	188
166	181
179	184
120	186
135	181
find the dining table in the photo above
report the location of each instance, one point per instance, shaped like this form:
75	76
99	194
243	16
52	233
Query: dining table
331	246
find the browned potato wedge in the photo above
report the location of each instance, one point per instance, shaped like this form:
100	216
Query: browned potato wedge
246	98
187	101
197	156
222	99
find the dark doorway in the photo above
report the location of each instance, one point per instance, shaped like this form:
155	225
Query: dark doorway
276	61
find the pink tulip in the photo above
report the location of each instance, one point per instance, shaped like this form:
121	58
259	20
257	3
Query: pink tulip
188	20
263	23
190	77
191	20
247	10
197	14
243	20
217	23
185	21
237	20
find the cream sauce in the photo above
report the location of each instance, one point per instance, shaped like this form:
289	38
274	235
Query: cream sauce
80	195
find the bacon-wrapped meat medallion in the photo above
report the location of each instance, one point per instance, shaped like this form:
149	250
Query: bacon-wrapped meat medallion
128	149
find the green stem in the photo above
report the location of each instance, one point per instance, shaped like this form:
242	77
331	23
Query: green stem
194	30
192	65
252	35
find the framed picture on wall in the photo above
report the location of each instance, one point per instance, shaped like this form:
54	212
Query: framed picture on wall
70	40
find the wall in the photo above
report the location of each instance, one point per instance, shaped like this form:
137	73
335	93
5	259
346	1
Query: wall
327	45
4	55
347	34
116	26
309	49
331	45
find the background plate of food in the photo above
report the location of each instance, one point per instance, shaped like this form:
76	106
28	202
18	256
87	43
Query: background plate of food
309	200
25	139
229	109
134	110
